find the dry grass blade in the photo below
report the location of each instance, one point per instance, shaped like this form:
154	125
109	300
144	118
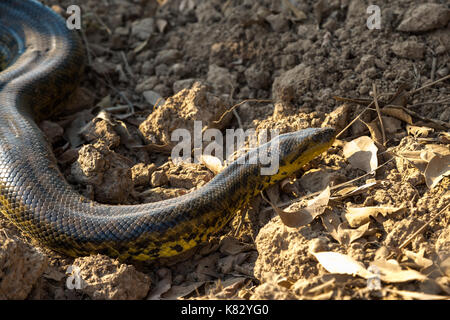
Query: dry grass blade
437	168
410	238
354	120
300	15
430	84
364	102
237	105
375	99
417	295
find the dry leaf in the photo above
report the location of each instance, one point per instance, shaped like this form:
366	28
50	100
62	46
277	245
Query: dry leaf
358	216
397	112
444	137
353	190
391	272
418	131
362	153
438	149
419	258
375	131
303	216
415	158
331	222
177	292
314	180
336	229
232	246
445	266
163	285
437	169
391	125
346	236
417	295
339	263
228	288
427	155
406	115
161	24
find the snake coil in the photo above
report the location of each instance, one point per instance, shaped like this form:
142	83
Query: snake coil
43	64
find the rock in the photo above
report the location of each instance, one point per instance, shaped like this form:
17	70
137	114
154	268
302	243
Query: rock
409	49
159	178
283	109
148	68
20	267
179	69
278	22
161	70
206	13
284	251
148	84
442	72
425	17
142	29
367	61
189	176
221	79
338	118
400	233
167	57
180	111
82	98
445	116
90	165
257	78
108	172
153	97
183	84
100	129
141	173
68	156
106	278
52	131
293	83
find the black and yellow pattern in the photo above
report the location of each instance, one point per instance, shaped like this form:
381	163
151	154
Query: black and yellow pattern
43	64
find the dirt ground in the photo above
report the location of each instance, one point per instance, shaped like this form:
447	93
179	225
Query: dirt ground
287	65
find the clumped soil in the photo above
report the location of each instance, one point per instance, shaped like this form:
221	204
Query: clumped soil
153	67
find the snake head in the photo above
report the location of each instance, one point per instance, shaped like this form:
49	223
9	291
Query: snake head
295	149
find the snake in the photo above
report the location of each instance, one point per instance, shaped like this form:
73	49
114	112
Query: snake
42	64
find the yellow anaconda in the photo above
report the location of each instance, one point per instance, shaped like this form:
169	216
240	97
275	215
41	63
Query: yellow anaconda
43	62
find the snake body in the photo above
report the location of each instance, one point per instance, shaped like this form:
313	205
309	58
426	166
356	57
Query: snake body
42	62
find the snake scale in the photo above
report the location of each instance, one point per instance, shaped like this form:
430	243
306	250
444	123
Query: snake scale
42	65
